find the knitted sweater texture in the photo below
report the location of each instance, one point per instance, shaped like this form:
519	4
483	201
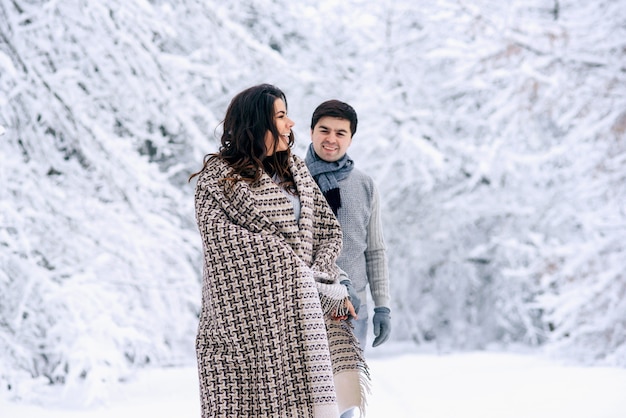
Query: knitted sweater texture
363	256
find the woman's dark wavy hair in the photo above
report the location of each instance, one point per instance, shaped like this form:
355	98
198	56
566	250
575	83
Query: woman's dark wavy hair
249	116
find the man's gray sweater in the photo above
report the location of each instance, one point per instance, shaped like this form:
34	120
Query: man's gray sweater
363	255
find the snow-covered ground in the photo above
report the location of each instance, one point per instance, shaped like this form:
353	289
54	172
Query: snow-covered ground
405	385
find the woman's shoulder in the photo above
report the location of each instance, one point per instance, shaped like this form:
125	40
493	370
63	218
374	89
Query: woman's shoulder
214	168
297	159
298	163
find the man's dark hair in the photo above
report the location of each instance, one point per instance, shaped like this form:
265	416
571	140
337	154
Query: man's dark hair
335	109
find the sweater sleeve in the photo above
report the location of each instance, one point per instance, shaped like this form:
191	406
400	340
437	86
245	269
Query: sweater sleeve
376	257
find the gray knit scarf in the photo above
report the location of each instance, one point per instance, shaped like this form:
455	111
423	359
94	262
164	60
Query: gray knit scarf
327	175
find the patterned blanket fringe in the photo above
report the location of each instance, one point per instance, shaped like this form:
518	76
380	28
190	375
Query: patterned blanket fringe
366	388
365	379
332	297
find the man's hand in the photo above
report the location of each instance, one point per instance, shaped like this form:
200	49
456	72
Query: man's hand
354	297
382	325
351	312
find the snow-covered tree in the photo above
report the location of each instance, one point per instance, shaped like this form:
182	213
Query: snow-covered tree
507	186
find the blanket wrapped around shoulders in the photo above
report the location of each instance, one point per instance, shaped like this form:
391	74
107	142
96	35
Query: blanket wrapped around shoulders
266	346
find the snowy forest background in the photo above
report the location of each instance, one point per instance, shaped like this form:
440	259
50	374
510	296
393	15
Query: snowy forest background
496	132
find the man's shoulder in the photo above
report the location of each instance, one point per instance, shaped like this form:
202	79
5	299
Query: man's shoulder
361	177
359	181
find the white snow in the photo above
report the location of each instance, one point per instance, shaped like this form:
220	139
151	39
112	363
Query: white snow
405	384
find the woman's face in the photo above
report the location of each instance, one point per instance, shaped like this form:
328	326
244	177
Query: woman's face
283	125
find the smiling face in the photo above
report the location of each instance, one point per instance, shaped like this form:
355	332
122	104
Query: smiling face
331	138
283	125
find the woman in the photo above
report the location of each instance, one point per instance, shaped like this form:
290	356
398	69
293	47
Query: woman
273	340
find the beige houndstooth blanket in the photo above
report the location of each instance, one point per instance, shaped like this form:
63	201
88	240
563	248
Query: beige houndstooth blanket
265	348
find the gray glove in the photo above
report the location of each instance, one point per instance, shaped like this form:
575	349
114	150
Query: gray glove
354	298
382	325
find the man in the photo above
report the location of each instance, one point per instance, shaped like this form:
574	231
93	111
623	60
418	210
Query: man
353	198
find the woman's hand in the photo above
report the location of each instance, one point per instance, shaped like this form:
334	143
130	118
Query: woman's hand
350	309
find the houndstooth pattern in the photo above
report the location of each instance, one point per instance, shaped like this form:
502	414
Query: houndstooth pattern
262	343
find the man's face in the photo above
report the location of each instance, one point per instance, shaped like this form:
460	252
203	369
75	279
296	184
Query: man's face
331	138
